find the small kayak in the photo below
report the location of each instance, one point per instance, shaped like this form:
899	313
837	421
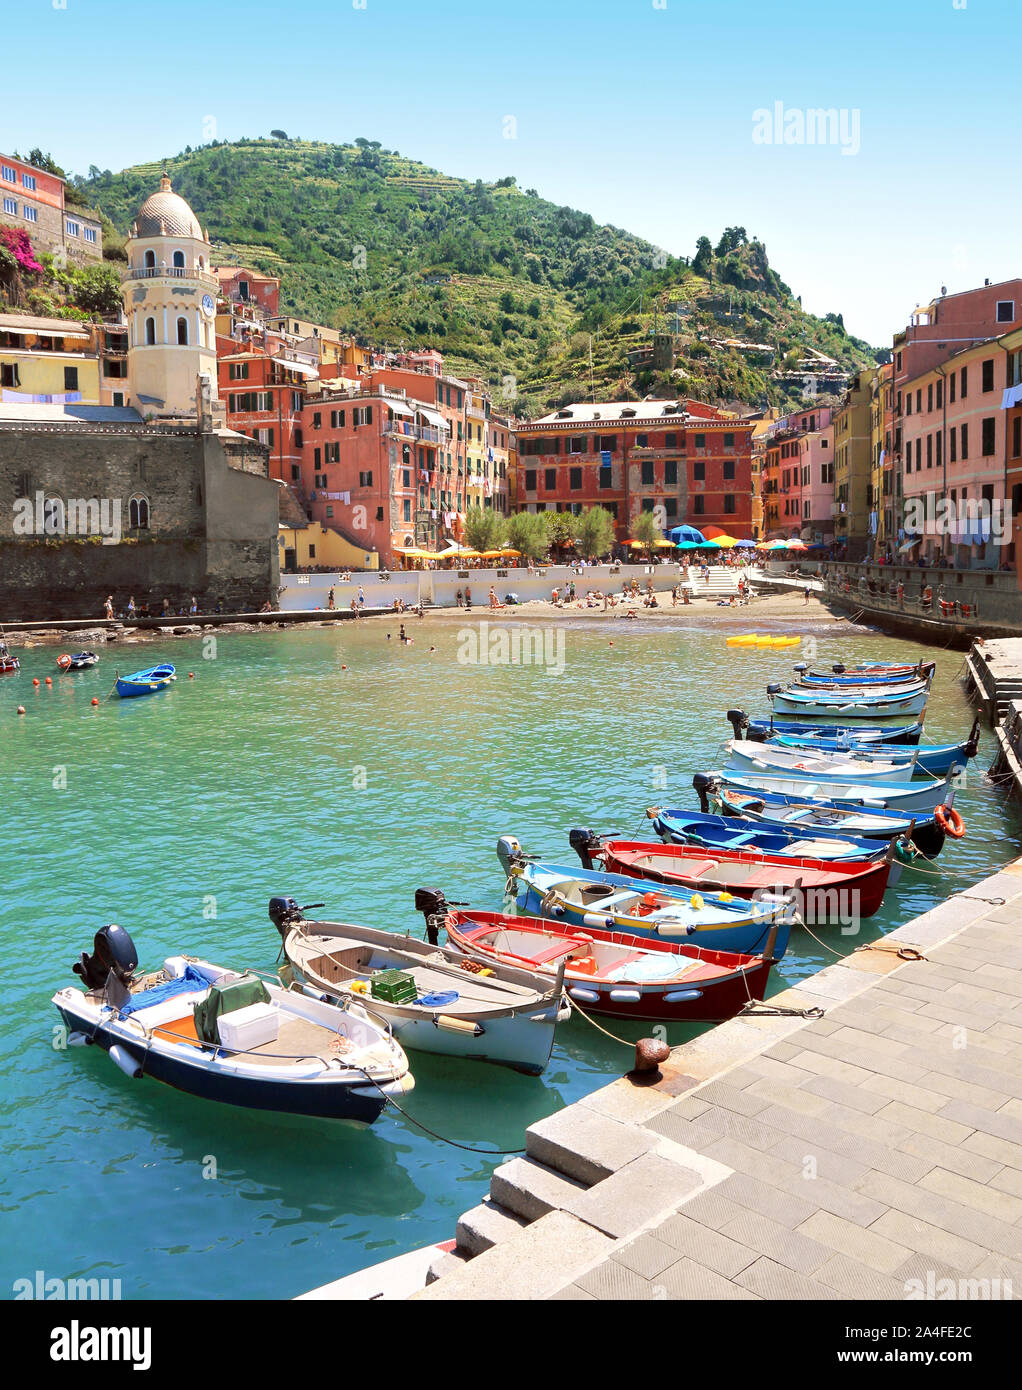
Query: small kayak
146	682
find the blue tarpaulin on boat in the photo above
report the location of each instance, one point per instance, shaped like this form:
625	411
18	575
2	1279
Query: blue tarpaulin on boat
189	982
439	999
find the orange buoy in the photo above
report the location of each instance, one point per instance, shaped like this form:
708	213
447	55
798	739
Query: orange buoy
94	700
35	680
49	681
21	709
343	667
191	675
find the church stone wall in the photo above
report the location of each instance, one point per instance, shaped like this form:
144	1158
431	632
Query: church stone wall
212	532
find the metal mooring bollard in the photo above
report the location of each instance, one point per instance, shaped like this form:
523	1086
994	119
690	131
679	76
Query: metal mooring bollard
649	1053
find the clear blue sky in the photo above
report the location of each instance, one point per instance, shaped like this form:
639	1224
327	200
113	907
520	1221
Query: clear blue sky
638	111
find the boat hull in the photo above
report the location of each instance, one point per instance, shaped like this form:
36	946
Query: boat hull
747	938
864	733
709	1000
720	831
819	892
316	1097
851	706
911	798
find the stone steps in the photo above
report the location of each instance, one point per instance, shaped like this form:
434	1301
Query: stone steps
531	1189
485	1225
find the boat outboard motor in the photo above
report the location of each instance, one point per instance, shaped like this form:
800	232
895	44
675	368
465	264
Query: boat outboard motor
838	668
585	844
702	783
509	852
285	913
433	906
739	721
113	953
774	688
801	667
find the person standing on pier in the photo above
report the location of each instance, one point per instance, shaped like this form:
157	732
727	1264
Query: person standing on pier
108	606
330	598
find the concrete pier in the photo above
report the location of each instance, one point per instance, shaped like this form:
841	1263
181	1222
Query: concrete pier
863	1140
994	676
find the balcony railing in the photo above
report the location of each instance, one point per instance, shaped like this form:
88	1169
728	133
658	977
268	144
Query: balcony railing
171	272
429	434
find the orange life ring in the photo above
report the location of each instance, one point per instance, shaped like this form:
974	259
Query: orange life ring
64	661
949	821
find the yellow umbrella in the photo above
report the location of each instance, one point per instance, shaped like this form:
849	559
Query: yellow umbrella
490	554
725	542
509	551
668	544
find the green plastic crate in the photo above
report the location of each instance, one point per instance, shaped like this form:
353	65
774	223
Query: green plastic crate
393	987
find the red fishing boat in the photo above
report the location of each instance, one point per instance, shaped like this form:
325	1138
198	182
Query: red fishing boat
821	889
607	972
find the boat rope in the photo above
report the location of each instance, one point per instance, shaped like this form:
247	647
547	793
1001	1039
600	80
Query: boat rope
757	1009
577	1008
469	1148
893	949
974	898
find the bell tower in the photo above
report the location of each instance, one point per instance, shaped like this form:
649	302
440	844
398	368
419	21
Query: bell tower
169	295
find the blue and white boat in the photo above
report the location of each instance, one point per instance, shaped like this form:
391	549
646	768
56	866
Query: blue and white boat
612	902
938	759
912	798
146	682
820	815
678	827
747	756
232	1037
871	678
855	702
873	732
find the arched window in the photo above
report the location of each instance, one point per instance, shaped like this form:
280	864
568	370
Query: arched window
150	332
182	332
149	260
179	260
138	513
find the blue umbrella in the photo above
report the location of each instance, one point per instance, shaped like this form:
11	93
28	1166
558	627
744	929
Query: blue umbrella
746	545
687	533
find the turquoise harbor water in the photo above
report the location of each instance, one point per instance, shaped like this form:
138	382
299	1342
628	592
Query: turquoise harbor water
247	782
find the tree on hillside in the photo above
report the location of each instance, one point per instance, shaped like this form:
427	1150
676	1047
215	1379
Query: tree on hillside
732	238
484	529
560	528
702	261
279	134
526	532
594	532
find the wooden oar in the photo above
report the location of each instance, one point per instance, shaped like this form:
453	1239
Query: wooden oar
112	688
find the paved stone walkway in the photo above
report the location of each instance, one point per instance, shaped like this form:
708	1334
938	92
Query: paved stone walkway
842	1157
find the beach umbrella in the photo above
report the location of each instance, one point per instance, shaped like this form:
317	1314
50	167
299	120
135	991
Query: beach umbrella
508	551
685	533
796	544
777	545
713	533
724	541
746	545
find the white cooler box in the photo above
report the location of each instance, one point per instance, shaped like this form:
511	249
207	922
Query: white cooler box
250	1027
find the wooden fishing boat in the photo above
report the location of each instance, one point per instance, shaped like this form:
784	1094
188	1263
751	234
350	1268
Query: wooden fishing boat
852	703
906	797
146	682
716	832
748	755
426	994
8	662
873	678
873	732
232	1037
79	661
815	816
820	889
618	973
937	759
613	902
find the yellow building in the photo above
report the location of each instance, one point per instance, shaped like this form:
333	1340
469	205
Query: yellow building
49	358
169	295
760	434
853	464
881	390
313	546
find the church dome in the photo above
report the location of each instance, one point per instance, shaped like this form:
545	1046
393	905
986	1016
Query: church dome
165	213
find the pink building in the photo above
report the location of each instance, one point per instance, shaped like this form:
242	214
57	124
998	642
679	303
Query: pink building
955	459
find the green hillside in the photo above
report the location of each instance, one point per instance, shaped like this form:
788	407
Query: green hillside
503	283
